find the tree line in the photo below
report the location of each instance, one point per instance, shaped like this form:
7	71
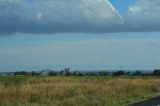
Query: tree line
67	72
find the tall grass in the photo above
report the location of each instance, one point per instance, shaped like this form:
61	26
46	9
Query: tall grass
77	91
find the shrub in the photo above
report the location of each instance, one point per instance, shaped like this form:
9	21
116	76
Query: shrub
21	73
119	73
137	73
156	72
33	73
52	73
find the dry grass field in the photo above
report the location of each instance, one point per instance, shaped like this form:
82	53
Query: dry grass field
76	91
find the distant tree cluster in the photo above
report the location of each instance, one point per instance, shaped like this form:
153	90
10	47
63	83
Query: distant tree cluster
33	73
67	72
21	73
119	73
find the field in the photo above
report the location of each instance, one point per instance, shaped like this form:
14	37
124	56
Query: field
76	91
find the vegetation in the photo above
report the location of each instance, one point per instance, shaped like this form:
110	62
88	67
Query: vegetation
21	73
137	73
156	72
52	73
76	91
74	88
67	72
119	73
103	73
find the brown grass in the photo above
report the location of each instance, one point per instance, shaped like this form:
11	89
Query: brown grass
77	91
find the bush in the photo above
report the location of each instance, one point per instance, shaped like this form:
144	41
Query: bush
21	73
91	74
156	72
52	73
33	73
137	73
119	73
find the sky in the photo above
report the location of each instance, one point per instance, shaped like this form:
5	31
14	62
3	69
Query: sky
80	34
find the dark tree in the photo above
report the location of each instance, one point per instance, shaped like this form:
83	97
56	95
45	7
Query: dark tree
137	73
34	73
156	72
128	73
92	74
61	72
80	74
21	73
67	71
119	73
52	73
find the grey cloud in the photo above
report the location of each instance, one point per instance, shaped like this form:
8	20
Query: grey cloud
143	16
51	16
70	16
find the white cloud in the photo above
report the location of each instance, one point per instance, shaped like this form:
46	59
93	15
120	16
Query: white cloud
146	7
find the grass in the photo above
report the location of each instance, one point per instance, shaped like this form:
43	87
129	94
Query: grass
76	91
